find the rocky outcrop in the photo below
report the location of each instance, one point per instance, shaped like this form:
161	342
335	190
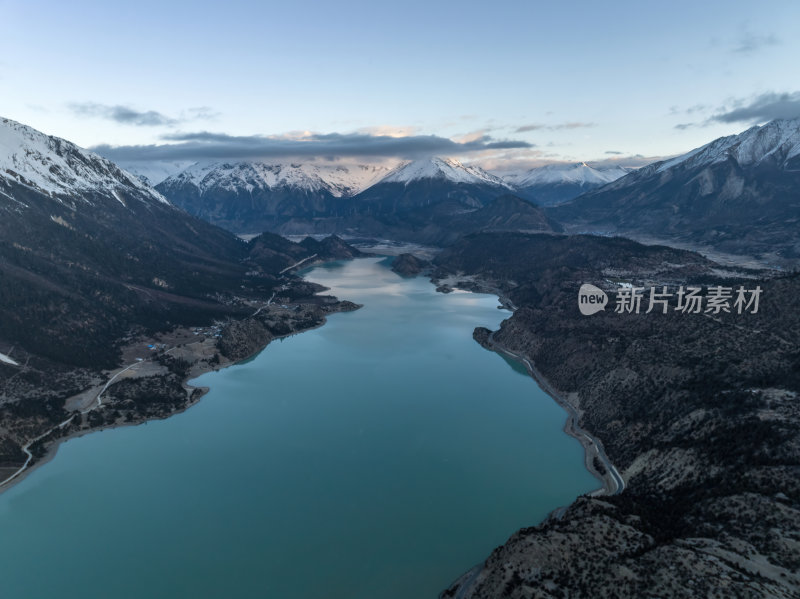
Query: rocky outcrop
243	338
331	248
409	265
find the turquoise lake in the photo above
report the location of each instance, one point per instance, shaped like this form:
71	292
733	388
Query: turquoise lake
379	456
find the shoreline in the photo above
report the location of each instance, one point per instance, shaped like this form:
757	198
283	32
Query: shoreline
612	481
194	393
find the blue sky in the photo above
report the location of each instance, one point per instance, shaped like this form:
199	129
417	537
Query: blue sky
492	82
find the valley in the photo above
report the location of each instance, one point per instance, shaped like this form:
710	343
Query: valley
415	300
408	429
96	266
117	295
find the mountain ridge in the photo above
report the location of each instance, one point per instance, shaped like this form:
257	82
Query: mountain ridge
557	183
251	197
58	167
441	168
737	194
574	172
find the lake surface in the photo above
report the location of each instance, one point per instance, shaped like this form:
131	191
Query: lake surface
379	456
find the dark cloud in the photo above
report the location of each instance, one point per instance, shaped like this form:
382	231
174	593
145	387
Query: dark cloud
558	127
765	107
612	152
750	42
220	146
526	128
759	109
129	116
122	114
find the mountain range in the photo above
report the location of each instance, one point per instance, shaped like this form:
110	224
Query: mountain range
555	184
738	194
421	200
252	196
246	194
92	257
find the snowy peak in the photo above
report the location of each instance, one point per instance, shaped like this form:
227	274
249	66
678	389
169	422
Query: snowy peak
340	180
336	179
778	141
58	167
154	172
736	195
578	173
442	168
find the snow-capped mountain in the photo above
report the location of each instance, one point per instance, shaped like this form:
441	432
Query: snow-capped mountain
777	142
557	183
90	255
253	196
442	168
154	172
338	180
575	172
739	193
61	169
431	185
88	251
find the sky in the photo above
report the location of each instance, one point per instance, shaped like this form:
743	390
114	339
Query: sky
500	84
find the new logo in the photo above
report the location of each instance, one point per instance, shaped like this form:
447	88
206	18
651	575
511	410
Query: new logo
591	299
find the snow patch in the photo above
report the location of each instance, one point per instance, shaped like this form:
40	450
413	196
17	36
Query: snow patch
7	360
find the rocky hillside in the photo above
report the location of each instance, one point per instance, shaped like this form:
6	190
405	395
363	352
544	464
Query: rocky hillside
408	265
87	251
697	411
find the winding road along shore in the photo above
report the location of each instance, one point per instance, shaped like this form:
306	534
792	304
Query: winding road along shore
613	483
200	364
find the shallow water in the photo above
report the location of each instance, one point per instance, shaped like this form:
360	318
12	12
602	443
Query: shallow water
379	456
